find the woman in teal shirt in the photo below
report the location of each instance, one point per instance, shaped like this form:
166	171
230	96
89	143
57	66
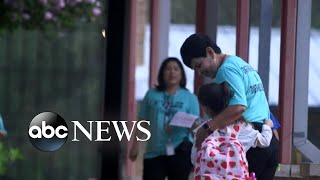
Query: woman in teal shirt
168	150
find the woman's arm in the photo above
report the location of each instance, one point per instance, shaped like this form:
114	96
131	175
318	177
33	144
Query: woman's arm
225	118
134	150
229	115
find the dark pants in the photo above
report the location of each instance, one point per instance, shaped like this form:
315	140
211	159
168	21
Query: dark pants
264	161
176	167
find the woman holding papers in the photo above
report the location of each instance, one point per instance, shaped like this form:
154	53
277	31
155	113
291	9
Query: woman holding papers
167	153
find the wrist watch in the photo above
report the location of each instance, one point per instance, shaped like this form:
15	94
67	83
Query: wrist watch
207	128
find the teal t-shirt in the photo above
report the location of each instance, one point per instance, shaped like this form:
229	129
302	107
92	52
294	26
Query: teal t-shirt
159	107
246	86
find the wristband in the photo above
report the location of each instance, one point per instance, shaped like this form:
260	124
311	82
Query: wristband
207	128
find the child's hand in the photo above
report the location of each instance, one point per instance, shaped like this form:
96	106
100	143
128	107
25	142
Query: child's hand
268	122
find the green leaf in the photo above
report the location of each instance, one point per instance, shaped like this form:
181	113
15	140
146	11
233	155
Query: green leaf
15	154
8	155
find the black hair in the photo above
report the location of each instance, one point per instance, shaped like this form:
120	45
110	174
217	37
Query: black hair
162	85
195	46
214	96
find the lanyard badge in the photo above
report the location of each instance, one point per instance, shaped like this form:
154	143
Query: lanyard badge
166	105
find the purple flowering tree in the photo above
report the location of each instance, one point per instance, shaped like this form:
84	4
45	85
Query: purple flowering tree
46	14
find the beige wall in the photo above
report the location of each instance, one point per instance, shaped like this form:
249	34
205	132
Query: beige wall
141	21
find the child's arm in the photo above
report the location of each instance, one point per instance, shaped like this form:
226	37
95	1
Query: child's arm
264	138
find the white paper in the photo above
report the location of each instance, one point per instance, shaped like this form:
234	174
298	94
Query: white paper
183	119
170	149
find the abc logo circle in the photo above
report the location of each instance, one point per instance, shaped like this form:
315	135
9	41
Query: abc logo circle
48	131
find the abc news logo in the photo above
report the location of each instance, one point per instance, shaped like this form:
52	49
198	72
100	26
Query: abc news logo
48	131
